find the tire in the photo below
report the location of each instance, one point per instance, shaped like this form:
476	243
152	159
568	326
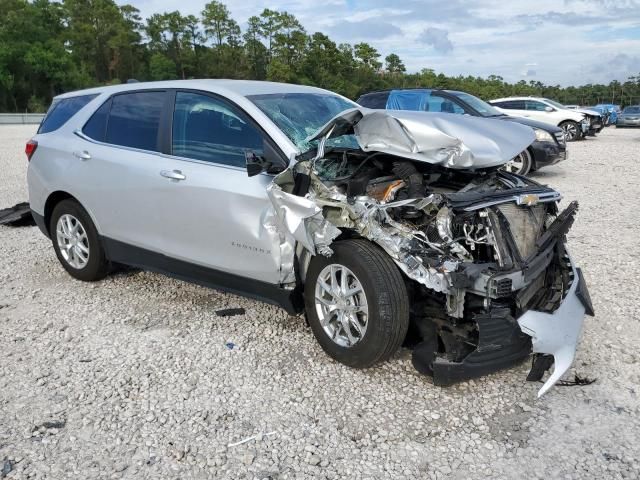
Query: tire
383	292
71	225
520	164
573	127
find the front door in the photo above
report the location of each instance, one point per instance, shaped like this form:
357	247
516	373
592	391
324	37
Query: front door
215	214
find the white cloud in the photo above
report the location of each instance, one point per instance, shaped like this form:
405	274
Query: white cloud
558	42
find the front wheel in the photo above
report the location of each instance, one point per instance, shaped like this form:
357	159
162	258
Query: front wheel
520	164
571	130
357	303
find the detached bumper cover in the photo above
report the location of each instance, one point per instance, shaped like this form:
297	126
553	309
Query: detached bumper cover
557	333
504	341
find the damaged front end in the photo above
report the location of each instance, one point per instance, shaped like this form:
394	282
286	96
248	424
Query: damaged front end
490	277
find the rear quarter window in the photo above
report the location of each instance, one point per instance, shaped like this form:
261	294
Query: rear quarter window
62	110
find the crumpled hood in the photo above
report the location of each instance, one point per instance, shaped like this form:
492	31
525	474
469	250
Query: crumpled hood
453	141
587	111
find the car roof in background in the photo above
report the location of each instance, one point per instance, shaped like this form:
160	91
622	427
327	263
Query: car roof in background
517	98
239	87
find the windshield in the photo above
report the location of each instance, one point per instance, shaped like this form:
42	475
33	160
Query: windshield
300	115
631	109
555	104
482	107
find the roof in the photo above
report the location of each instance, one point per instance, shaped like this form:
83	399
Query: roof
518	98
238	87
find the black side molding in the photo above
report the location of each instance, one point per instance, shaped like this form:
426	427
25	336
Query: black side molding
120	252
40	222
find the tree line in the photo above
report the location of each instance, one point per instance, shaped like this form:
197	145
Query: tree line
49	47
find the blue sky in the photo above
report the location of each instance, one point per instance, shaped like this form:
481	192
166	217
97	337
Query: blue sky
566	42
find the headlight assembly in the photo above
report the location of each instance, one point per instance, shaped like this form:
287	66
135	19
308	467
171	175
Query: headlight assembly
543	136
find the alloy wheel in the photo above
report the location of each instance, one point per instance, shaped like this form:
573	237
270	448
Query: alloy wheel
72	241
519	164
570	131
341	305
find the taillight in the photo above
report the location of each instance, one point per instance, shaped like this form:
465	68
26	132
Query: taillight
30	148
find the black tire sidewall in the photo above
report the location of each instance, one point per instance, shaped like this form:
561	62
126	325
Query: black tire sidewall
374	346
97	266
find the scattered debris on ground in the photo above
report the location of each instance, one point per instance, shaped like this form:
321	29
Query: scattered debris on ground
230	312
17	216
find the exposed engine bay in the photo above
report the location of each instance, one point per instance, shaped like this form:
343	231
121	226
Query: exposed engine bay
482	246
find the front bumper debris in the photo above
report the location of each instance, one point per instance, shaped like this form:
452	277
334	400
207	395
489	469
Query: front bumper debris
504	341
557	333
501	344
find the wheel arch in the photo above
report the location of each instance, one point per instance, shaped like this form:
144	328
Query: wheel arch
54	199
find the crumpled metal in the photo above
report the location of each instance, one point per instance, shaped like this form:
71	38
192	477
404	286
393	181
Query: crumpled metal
302	218
453	141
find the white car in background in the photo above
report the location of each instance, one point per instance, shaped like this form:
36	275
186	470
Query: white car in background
574	124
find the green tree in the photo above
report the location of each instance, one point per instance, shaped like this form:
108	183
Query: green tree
393	64
367	55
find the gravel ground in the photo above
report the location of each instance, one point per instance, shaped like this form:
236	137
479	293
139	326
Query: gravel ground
132	377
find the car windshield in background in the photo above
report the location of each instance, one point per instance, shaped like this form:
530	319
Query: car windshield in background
631	110
482	107
555	104
300	115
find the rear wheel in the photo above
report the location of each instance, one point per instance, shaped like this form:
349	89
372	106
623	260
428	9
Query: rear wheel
357	303
520	164
571	130
76	242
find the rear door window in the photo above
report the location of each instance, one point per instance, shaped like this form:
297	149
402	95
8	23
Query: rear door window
212	130
374	100
510	104
134	120
62	110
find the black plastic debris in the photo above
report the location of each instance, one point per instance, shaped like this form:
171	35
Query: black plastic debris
230	312
17	216
577	381
541	363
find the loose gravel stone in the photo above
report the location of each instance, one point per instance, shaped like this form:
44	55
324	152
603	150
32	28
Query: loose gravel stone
131	377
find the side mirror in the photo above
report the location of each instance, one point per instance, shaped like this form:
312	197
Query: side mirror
270	161
549	109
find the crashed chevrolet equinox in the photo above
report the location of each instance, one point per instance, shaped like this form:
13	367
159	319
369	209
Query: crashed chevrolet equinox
386	228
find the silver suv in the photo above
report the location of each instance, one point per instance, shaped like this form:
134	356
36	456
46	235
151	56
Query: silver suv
384	227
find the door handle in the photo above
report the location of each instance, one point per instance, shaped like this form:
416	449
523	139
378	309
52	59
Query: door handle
173	174
83	155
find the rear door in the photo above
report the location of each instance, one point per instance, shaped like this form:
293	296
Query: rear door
122	164
512	107
215	215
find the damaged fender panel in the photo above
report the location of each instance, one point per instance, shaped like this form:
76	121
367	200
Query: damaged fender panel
301	218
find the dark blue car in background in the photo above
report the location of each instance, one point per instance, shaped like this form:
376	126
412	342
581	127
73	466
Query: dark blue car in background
549	147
